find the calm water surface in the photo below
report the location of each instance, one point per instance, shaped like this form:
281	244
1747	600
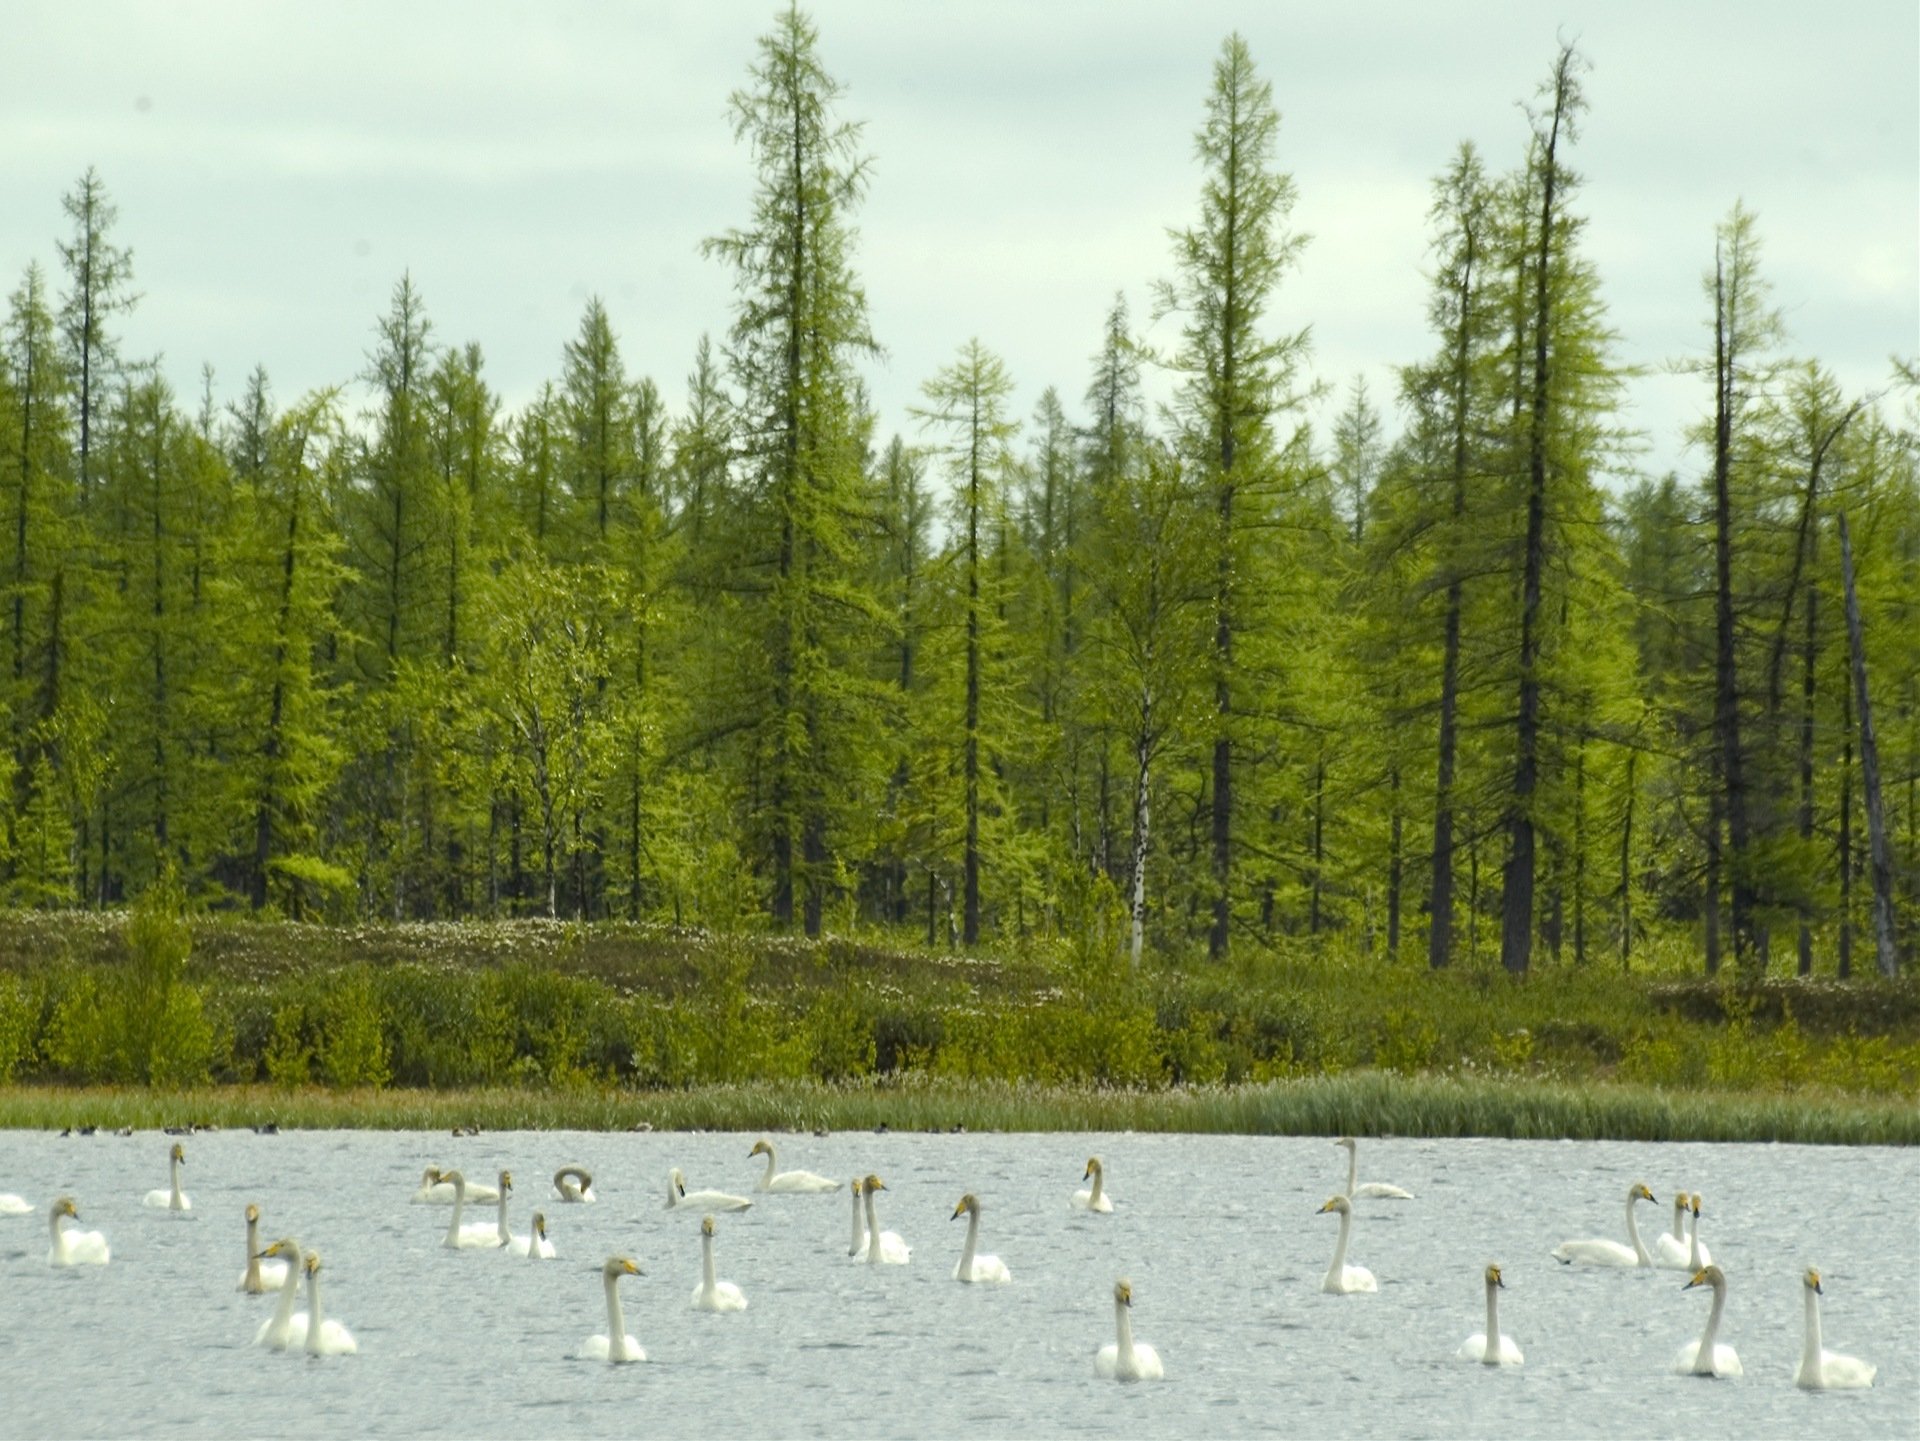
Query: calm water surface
1218	1234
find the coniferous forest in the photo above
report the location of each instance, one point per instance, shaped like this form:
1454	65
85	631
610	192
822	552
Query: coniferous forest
1435	684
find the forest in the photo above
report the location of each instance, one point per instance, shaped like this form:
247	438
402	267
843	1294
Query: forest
1191	679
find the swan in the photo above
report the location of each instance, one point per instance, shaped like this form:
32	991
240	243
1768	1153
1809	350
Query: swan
477	1235
679	1195
1697	1256
1610	1253
1124	1359
857	1246
1708	1357
1373	1190
75	1248
437	1190
1094	1199
616	1345
884	1248
573	1183
285	1327
324	1337
1491	1346
257	1279
1670	1248
173	1198
971	1266
712	1295
534	1245
788	1182
1820	1369
12	1205
1342	1279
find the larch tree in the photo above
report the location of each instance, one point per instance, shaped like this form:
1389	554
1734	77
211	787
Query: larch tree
100	279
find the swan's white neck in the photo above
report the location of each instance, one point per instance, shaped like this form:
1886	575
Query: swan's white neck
1492	1354
289	1290
706	1263
1703	1359
506	1236
459	1205
1123	1334
59	1236
766	1181
1353	1168
859	1236
175	1200
1810	1353
1633	1234
315	1317
616	1320
1093	1196
973	1240
1693	1242
1340	1247
873	1231
253	1255
1679	1219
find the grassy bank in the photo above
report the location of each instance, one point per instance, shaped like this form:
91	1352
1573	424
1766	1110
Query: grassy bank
1367	1103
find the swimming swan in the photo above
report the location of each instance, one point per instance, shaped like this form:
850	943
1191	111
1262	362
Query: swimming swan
1373	1190
1670	1248
173	1198
712	1295
884	1248
1342	1279
437	1190
1820	1369
1501	1351
1123	1358
616	1345
74	1248
477	1235
679	1195
1708	1357
573	1184
788	1182
971	1266
324	1337
12	1205
257	1280
1094	1198
857	1246
534	1245
1610	1253
285	1327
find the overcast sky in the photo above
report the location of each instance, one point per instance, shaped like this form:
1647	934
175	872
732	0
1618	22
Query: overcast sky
278	166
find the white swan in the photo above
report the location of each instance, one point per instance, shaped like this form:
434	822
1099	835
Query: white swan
324	1337
884	1248
1095	1197
285	1327
12	1205
1342	1279
256	1279
679	1195
1610	1253
857	1246
1821	1369
1707	1356
74	1248
477	1235
787	1182
712	1295
1373	1190
573	1184
173	1198
971	1265
1123	1358
1491	1346
1670	1248
534	1245
437	1190
616	1345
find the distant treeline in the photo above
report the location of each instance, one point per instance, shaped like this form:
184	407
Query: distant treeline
1195	678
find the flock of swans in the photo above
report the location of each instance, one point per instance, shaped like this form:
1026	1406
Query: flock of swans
283	1268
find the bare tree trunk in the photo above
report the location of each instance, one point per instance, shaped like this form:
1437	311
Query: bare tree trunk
1142	798
1846	833
1626	871
1879	853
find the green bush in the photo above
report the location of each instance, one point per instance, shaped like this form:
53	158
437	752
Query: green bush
19	1021
352	1048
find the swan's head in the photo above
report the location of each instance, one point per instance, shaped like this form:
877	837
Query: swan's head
968	1202
253	1214
1812	1280
178	1153
1346	1141
1708	1276
858	1187
621	1266
432	1176
455	1179
873	1183
678	1180
1093	1167
312	1263
285	1246
1493	1277
760	1148
1641	1193
706	1225
65	1207
1123	1291
506	1182
1336	1203
540	1224
1694	1202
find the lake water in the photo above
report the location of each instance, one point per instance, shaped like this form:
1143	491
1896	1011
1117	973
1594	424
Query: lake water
1218	1234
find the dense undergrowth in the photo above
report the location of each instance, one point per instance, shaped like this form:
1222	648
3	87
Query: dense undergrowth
153	999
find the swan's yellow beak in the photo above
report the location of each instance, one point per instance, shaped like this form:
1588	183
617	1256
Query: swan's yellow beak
1813	1279
1699	1279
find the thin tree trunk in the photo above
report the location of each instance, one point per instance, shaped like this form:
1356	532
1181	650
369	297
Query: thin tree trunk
1846	832
1626	871
1879	852
1142	820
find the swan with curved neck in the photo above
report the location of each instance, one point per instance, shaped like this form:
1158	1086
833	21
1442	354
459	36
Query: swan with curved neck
74	1247
1342	1279
1373	1190
284	1327
1124	1359
1708	1356
1821	1369
257	1279
711	1294
437	1190
477	1235
324	1337
172	1198
884	1248
679	1195
1491	1347
574	1185
534	1245
796	1183
1603	1252
1093	1198
972	1266
616	1346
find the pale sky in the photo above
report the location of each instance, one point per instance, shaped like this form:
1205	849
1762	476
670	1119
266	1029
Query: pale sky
278	166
